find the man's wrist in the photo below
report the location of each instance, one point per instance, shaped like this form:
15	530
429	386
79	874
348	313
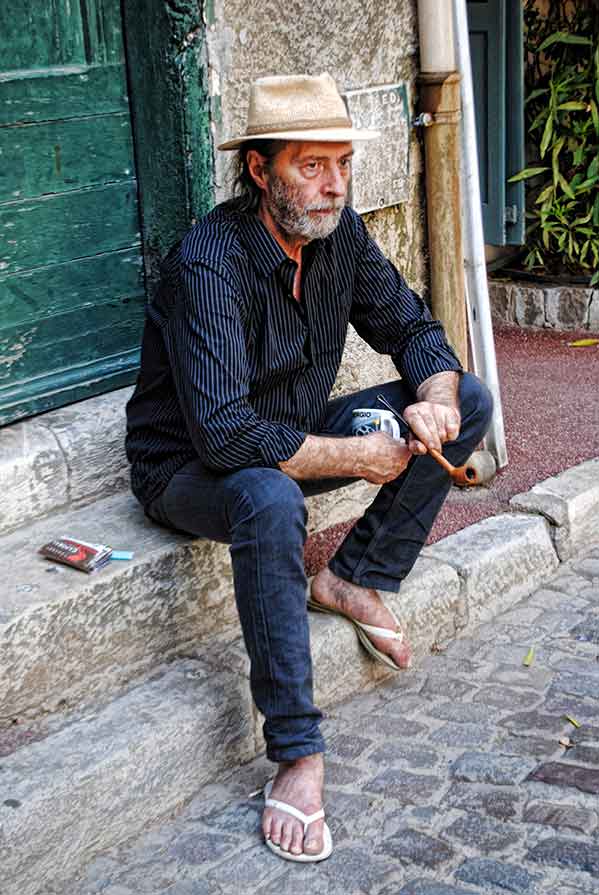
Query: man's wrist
441	388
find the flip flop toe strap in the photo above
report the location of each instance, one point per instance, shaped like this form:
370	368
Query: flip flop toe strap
387	633
306	819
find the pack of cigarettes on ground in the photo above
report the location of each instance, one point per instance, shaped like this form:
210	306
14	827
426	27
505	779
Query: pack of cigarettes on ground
76	553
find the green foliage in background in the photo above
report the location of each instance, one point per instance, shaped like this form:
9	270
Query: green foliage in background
562	118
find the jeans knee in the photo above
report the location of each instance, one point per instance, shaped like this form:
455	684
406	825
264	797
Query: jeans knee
268	494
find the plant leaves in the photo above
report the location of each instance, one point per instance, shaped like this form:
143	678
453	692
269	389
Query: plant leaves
573	105
535	93
547	193
565	185
547	135
563	37
527	172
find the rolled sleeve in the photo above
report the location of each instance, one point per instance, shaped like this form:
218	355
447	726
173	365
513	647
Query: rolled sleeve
394	319
206	343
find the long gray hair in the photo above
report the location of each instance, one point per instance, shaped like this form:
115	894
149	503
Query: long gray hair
246	192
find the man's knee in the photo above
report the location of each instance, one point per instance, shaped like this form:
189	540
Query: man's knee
476	404
263	492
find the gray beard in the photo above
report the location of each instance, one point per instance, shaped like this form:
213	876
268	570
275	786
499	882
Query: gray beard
284	204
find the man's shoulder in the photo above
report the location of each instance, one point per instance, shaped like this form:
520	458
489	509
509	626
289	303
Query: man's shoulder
214	239
350	229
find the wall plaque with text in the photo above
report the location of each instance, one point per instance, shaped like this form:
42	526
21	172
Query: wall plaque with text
380	167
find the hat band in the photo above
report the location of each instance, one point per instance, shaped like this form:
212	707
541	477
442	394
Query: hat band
301	125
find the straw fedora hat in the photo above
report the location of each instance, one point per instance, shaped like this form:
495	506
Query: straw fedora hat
298	107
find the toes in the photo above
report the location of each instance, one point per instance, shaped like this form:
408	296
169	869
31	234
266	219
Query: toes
296	846
275	831
286	835
404	656
313	842
266	825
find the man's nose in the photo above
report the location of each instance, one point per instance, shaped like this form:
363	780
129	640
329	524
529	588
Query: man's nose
335	184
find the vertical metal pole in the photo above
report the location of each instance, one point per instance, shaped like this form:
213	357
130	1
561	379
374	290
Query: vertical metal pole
477	289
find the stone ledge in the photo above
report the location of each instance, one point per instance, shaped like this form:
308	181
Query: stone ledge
570	501
553	307
498	560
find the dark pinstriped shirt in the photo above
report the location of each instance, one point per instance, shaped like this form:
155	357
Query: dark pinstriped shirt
235	371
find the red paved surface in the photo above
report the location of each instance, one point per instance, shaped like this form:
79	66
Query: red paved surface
550	402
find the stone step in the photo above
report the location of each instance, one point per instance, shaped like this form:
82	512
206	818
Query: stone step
66	458
68	638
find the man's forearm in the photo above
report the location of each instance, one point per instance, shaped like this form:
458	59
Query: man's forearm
320	457
378	458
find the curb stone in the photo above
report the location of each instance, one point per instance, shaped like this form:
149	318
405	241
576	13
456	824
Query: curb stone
570	501
498	560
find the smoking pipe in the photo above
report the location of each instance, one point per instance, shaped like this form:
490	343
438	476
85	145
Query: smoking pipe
479	469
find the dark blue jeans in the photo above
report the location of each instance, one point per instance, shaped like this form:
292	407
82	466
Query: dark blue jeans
261	513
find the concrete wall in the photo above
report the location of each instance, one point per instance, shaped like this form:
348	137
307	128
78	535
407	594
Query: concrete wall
360	44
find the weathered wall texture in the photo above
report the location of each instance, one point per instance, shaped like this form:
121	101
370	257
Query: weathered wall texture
360	44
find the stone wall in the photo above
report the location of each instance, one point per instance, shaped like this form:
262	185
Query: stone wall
360	45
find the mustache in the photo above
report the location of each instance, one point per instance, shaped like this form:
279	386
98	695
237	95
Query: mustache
333	205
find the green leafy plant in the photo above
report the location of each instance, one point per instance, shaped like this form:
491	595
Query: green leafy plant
562	116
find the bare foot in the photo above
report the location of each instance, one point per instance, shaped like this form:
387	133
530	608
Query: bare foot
299	783
365	605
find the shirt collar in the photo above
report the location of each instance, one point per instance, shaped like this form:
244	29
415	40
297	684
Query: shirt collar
265	252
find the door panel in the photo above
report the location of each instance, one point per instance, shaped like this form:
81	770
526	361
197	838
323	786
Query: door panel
57	288
63	155
496	44
75	224
60	93
487	42
71	282
65	340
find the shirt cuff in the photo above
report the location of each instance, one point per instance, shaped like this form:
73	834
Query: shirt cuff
418	365
279	444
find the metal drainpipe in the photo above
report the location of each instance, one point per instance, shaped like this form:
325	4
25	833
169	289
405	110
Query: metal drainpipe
440	113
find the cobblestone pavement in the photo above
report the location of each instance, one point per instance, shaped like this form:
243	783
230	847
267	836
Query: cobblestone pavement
448	780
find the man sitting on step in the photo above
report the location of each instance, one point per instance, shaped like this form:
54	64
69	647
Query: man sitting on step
231	426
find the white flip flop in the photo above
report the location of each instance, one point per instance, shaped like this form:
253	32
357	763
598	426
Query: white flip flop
306	819
363	631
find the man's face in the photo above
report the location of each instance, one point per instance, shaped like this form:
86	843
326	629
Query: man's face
306	188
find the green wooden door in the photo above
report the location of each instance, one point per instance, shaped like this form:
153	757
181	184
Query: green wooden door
496	45
71	277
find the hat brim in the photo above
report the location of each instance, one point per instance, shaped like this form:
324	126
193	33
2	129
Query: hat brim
324	135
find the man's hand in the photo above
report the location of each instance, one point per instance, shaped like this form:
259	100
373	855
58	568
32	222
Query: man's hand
383	458
435	417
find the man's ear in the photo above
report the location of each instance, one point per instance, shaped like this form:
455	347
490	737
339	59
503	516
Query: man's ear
257	167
